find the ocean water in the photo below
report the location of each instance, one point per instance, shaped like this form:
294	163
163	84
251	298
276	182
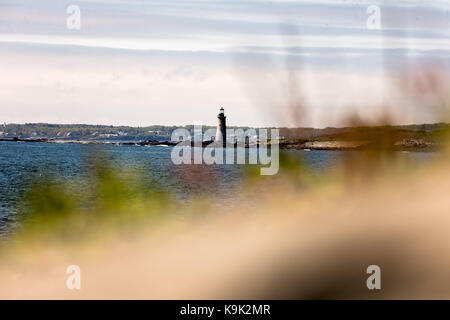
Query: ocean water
22	162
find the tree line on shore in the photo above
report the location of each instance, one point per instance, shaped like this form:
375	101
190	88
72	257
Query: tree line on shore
426	132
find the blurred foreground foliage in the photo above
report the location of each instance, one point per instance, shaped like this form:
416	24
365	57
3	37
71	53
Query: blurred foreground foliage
106	199
112	199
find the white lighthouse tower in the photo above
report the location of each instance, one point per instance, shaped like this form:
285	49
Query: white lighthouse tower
221	133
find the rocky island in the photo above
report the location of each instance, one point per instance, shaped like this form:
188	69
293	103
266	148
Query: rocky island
426	137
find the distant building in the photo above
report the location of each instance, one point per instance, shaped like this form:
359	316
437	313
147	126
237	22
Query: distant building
221	133
108	135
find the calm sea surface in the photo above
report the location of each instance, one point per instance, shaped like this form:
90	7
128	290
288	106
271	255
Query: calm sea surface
21	162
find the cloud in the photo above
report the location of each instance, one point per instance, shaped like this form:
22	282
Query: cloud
132	59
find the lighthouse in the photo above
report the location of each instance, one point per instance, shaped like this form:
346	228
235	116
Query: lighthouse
221	133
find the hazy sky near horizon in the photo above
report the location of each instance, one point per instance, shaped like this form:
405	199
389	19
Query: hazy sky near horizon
176	62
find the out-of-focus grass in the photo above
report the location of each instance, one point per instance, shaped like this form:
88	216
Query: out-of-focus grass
107	199
305	234
114	200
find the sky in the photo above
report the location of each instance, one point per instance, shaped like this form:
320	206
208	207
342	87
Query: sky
176	62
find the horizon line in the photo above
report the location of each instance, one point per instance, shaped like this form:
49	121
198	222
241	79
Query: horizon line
231	126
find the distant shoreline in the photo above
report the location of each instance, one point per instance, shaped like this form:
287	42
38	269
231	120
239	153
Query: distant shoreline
421	137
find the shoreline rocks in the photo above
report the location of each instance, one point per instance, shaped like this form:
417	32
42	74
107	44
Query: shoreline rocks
290	144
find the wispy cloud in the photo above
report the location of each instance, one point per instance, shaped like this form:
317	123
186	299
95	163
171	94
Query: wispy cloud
120	38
